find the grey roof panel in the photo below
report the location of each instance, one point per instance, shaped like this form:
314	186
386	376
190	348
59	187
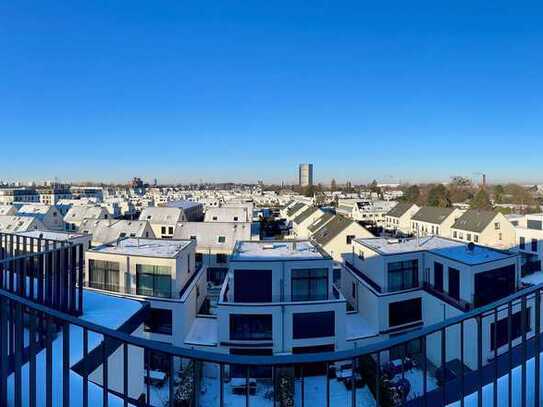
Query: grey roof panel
399	210
333	228
474	220
432	214
305	214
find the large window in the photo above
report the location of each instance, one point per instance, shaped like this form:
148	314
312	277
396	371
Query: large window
159	321
250	327
154	281
403	275
313	325
499	335
404	312
252	286
104	275
309	284
494	284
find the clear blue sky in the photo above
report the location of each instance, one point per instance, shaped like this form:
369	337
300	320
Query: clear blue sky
245	90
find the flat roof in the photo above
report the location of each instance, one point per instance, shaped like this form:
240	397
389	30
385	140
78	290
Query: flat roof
278	250
167	248
451	249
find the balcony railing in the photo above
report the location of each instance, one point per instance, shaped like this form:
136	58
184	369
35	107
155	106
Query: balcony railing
455	302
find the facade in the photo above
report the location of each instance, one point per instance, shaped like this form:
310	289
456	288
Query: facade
279	298
51	196
397	286
161	272
398	219
484	227
9	196
434	221
305	175
228	214
365	211
163	220
337	235
529	243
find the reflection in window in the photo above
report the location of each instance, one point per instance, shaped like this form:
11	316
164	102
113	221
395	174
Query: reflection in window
250	327
403	275
154	281
104	275
309	284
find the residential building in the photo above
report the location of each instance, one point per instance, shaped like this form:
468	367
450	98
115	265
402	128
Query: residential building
398	219
370	212
400	285
484	227
109	230
430	220
9	196
192	211
279	298
13	224
337	235
163	220
305	175
77	214
48	215
228	214
301	222
53	194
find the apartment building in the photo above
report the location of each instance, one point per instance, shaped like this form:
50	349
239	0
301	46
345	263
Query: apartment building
398	219
529	243
278	298
162	272
400	285
430	220
9	196
484	227
51	196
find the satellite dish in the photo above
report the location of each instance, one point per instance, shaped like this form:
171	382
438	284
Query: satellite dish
471	246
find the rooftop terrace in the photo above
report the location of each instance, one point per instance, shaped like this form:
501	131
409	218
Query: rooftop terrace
166	248
277	250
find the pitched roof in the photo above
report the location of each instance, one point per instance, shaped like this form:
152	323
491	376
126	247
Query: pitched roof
333	228
320	222
474	220
305	214
400	210
432	214
295	208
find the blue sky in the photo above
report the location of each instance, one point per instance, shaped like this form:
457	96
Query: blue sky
245	90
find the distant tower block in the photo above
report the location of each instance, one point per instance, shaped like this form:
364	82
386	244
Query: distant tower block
305	175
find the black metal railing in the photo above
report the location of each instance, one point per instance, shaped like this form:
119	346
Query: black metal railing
45	271
497	345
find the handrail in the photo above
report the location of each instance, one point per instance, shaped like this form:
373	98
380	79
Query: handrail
277	360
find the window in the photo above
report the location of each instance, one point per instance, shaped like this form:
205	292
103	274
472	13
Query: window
350	239
403	275
252	327
104	275
476	238
313	325
252	286
353	290
155	281
522	243
499	334
534	245
221	239
497	225
361	255
454	283
170	230
437	230
455	234
309	284
163	230
404	312
193	237
198	257
438	276
494	284
221	258
500	236
214	218
235	218
468	237
159	321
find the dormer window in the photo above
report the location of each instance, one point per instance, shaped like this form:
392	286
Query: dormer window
221	239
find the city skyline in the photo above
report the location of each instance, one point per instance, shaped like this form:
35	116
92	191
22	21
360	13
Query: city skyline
241	93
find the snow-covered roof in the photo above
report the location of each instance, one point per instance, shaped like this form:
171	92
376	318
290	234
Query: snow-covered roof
78	213
277	250
451	249
11	224
167	248
182	204
108	230
207	233
163	216
46	234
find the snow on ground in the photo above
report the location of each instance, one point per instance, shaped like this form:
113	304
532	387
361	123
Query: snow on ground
106	310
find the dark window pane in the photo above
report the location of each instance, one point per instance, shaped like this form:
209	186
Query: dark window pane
313	325
250	327
404	312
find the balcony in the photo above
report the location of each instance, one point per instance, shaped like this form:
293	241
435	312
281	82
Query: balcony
443	296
